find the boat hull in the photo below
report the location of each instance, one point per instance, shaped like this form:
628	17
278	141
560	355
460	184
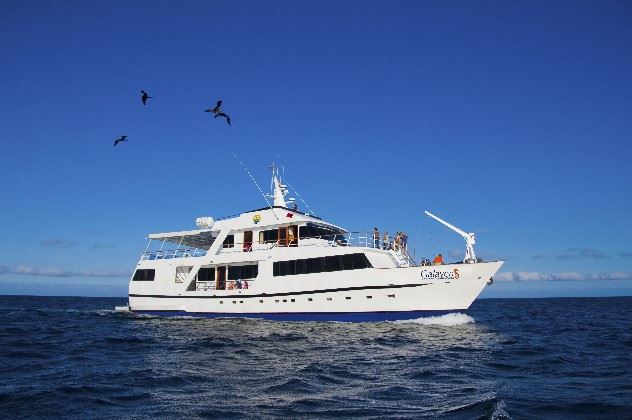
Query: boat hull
356	296
310	316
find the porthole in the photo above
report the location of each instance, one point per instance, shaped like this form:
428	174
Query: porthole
292	300
328	298
221	302
369	297
284	300
260	300
234	301
310	299
276	300
348	297
241	301
391	296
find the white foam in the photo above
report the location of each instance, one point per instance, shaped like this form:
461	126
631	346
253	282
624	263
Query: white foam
447	320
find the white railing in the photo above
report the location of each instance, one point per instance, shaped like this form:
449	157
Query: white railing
229	285
173	253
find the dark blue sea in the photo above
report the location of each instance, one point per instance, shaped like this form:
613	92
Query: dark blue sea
69	357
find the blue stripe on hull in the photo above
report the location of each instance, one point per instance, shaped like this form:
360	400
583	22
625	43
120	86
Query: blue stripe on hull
314	316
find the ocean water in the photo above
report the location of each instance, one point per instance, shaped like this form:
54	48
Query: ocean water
68	357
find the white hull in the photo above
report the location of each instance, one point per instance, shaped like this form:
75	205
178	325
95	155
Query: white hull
366	291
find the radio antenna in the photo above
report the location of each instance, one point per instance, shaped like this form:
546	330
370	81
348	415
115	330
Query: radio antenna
252	178
303	201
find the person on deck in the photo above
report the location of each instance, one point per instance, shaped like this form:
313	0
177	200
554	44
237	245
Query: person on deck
438	260
376	238
385	241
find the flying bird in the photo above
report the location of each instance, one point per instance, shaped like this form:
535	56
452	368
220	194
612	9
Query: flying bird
218	112
221	114
120	139
144	97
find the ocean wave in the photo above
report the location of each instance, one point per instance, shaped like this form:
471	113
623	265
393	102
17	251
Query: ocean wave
447	320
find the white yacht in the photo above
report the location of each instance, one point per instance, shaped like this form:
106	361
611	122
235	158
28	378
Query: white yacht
280	263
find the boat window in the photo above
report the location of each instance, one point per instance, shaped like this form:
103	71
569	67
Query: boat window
321	264
229	242
333	263
182	272
268	236
221	278
144	275
206	274
247	247
283	236
243	272
315	231
292	235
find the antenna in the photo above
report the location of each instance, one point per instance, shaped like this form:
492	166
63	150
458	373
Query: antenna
301	198
257	185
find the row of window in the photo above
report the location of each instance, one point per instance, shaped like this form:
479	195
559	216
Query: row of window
321	264
280	268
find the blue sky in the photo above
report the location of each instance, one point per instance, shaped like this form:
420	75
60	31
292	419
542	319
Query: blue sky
509	119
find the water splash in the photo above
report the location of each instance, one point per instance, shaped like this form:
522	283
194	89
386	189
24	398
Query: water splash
447	320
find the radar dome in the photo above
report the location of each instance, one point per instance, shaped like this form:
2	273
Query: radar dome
204	222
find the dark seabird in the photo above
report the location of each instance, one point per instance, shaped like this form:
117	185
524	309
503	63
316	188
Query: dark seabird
216	109
221	114
218	112
144	97
120	139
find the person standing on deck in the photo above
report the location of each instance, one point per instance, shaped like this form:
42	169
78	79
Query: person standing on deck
376	238
385	241
438	260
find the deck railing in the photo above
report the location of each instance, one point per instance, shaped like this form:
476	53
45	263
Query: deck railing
173	253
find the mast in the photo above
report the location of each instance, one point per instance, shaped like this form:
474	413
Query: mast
279	191
470	239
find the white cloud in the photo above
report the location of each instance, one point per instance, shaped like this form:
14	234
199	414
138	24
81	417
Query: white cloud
565	275
25	270
58	243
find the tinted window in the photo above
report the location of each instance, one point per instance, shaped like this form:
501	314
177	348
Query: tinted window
312	231
206	274
333	263
323	264
241	272
268	236
144	275
313	265
229	242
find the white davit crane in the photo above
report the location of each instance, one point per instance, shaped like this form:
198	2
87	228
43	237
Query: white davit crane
470	239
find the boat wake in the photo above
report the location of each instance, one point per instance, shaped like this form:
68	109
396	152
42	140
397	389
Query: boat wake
447	320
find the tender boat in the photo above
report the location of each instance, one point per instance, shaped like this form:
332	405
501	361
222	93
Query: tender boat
280	263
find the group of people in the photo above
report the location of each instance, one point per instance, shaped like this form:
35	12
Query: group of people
438	260
400	241
238	284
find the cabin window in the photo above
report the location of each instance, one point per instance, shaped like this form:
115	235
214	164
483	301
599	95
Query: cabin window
243	272
283	241
321	264
229	242
268	236
247	247
292	235
144	274
221	278
206	274
182	272
333	263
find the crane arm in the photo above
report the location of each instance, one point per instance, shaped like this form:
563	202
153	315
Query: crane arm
454	228
470	240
